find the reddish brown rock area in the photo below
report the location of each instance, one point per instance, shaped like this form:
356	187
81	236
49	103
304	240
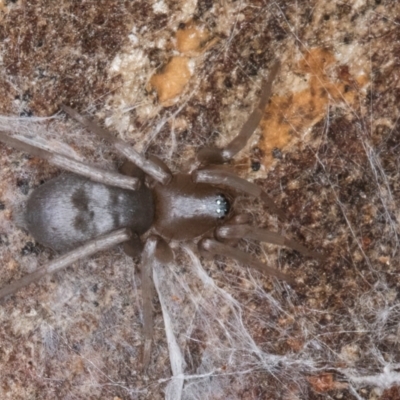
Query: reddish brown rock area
326	152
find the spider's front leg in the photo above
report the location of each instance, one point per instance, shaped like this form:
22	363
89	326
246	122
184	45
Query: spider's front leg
210	159
244	231
214	247
221	176
208	156
239	228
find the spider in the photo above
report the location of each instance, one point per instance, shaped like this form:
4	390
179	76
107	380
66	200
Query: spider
92	210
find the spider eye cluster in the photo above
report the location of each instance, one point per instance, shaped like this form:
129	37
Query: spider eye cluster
223	206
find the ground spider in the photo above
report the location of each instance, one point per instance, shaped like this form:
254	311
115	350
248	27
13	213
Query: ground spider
91	210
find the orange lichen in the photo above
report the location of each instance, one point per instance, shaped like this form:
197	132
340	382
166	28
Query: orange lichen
191	39
290	115
172	80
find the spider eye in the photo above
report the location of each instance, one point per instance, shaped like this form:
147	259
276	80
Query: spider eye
223	206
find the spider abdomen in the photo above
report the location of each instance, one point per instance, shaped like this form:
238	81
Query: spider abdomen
69	210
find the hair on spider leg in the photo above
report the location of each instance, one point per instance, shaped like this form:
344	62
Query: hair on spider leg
92	209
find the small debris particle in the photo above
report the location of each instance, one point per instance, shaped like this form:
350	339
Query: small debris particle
29	248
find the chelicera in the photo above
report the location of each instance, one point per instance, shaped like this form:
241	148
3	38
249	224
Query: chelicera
91	209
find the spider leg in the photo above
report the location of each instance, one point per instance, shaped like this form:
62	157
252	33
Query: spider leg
148	166
216	248
43	150
160	163
67	259
156	250
133	247
238	219
130	169
263	235
220	176
208	156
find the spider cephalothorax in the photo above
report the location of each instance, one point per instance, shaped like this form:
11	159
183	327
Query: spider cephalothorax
92	209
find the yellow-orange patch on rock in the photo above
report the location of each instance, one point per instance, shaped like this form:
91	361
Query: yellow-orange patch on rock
172	80
289	116
191	40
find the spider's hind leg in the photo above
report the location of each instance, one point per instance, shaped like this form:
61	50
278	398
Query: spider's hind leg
150	167
44	149
128	168
156	250
86	250
133	247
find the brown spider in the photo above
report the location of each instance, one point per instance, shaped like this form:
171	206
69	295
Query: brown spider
91	210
